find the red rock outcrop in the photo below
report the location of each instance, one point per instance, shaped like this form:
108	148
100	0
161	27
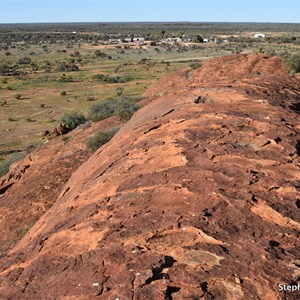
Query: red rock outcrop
197	196
34	183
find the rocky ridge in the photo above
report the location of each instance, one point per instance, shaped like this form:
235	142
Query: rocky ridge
196	197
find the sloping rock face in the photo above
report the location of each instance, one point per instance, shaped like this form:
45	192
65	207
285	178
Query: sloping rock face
196	197
34	183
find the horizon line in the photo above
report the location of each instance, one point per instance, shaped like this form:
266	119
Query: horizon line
151	22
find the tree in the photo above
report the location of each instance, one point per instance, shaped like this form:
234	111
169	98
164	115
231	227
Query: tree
197	39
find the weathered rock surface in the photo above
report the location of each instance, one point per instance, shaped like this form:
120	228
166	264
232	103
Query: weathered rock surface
34	183
196	197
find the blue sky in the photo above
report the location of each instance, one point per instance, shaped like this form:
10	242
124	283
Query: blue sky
24	11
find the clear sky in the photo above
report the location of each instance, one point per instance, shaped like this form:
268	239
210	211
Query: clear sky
31	11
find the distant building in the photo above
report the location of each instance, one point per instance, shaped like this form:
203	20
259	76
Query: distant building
139	39
259	35
128	40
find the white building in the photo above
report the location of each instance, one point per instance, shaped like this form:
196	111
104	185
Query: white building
139	39
259	35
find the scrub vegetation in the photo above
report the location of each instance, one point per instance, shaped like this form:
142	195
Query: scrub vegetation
51	73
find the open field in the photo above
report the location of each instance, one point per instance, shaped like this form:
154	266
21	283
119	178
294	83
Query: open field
48	84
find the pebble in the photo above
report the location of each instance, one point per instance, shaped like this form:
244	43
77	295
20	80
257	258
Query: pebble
237	280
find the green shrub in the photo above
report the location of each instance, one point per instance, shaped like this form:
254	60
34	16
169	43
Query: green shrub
24	61
102	110
63	93
65	78
112	79
195	65
101	54
67	67
18	96
124	107
7	70
73	119
293	61
101	138
5	164
4	167
25	231
119	90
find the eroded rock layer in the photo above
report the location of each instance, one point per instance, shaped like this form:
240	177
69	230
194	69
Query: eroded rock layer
196	197
33	184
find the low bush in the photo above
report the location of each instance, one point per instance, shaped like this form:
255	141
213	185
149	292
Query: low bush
124	107
293	61
102	110
195	65
7	70
5	164
29	120
101	138
25	231
101	54
119	90
24	61
65	78
112	79
67	67
73	119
